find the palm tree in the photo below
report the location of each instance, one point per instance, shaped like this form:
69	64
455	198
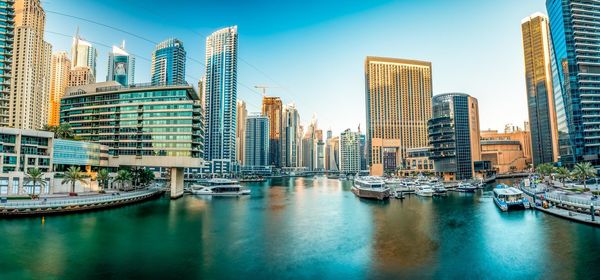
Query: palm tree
36	176
103	177
563	173
62	131
583	171
73	175
544	169
122	177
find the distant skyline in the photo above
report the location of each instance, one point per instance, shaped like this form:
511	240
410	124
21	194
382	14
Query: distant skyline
314	52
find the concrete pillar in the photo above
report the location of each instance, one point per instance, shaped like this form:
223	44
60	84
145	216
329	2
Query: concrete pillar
176	182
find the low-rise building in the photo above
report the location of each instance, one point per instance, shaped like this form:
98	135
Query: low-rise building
508	151
417	161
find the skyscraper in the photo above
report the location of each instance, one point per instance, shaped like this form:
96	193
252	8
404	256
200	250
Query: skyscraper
454	135
121	66
257	141
83	54
240	135
32	58
349	152
332	153
272	109
7	23
291	137
59	81
540	97
221	95
168	63
575	61
398	105
80	76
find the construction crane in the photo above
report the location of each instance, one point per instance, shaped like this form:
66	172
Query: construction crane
264	88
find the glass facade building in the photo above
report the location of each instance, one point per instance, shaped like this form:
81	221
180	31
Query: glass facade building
454	135
86	155
575	61
137	120
7	26
121	66
540	97
220	90
168	63
257	141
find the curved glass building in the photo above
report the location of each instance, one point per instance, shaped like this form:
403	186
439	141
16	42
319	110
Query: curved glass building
454	135
168	63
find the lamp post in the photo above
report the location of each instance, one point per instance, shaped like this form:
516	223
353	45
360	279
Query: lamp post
592	211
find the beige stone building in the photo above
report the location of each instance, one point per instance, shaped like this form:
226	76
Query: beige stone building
30	91
509	151
59	81
398	105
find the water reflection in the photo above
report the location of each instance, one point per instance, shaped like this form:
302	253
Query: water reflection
301	228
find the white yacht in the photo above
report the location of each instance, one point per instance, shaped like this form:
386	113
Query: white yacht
219	187
424	190
466	187
370	187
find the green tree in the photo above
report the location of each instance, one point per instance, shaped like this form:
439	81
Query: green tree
562	173
544	169
584	171
62	131
36	176
72	176
103	177
123	176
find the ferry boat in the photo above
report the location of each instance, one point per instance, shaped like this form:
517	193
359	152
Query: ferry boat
219	187
370	187
465	187
252	180
425	191
507	197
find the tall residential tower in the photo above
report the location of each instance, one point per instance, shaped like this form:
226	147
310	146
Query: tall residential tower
32	56
221	95
168	63
59	81
398	105
575	62
7	25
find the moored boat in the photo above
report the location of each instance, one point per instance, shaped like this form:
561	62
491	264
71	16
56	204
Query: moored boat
370	187
507	197
424	190
219	187
465	187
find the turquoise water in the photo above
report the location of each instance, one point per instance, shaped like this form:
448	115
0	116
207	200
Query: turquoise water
301	228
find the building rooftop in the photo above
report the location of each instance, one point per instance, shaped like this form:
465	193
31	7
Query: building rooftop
397	61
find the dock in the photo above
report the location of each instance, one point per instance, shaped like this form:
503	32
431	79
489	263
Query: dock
570	215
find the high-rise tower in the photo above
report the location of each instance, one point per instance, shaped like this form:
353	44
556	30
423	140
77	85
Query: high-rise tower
32	56
398	105
272	108
168	63
575	62
221	95
59	81
121	66
7	24
540	97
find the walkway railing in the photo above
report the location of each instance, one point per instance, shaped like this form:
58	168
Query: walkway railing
572	201
77	201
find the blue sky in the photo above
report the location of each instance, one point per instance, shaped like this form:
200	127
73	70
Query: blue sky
313	51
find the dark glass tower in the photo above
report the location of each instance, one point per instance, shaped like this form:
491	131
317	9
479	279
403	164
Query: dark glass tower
454	135
575	61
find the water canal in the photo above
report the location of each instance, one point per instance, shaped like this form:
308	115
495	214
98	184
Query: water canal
301	228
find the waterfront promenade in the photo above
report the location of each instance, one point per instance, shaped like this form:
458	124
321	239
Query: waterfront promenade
59	205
